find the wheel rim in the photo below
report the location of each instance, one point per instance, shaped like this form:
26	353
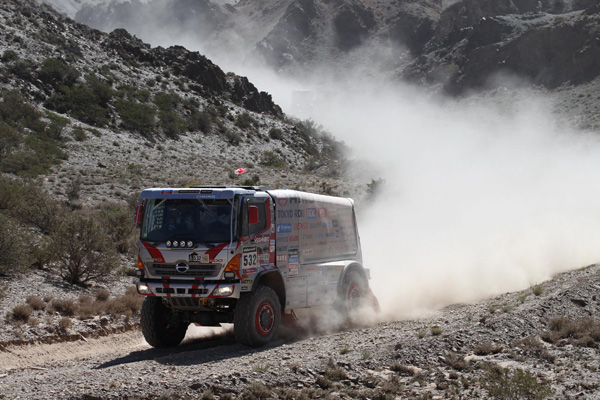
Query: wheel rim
265	318
353	297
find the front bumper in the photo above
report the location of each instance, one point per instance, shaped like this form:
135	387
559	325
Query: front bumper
221	290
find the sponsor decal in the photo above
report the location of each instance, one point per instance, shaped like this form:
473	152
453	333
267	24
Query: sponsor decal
282	258
293	238
261	239
300	226
293	262
322	212
281	249
311	213
244	287
284	228
250	271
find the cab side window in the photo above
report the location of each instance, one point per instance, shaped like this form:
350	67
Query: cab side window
251	230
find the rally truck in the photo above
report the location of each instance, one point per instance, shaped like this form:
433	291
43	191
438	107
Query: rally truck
243	255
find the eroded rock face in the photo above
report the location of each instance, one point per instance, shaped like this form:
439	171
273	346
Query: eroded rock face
543	49
210	79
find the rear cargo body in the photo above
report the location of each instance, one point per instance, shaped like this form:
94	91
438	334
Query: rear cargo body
214	254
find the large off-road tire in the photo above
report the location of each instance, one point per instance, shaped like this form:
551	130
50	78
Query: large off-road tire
257	317
161	326
356	294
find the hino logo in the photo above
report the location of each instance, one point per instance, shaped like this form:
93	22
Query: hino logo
182	267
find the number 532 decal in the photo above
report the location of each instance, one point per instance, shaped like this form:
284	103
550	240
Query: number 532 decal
249	257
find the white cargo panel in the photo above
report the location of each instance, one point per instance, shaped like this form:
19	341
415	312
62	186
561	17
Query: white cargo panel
313	229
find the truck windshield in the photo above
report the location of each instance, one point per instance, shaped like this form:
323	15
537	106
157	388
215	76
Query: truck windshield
204	221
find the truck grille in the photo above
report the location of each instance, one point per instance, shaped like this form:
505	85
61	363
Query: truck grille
195	271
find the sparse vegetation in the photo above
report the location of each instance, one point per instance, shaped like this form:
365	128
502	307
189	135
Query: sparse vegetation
505	383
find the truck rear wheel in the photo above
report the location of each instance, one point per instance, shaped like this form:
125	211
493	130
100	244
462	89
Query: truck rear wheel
354	292
257	317
161	326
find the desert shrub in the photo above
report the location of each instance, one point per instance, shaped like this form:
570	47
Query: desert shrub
537	289
436	330
202	121
232	137
87	103
506	383
79	134
65	307
65	323
275	133
486	348
36	303
39	210
118	222
374	187
256	391
9	56
245	120
255	180
102	295
84	251
171	123
333	372
55	72
582	332
22	312
136	116
13	245
271	159
22	69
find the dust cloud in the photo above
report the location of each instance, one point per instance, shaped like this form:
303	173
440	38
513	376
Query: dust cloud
480	196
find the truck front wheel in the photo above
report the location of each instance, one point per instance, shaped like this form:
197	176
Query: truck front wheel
161	326
257	317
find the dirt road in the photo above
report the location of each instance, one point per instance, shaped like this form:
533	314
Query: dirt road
513	344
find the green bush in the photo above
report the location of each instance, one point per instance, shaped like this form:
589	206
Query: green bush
84	251
13	245
9	56
272	160
81	102
276	133
136	116
118	222
232	137
55	72
505	383
245	120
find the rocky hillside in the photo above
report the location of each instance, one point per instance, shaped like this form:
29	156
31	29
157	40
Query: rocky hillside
458	44
105	106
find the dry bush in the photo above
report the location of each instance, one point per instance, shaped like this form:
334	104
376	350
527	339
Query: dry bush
66	307
455	361
582	332
13	245
36	303
102	294
65	323
403	369
22	312
333	372
84	251
256	391
486	348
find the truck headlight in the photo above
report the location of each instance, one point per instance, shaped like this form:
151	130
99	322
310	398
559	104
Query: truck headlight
223	291
143	289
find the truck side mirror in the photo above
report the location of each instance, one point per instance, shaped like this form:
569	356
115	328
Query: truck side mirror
252	215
